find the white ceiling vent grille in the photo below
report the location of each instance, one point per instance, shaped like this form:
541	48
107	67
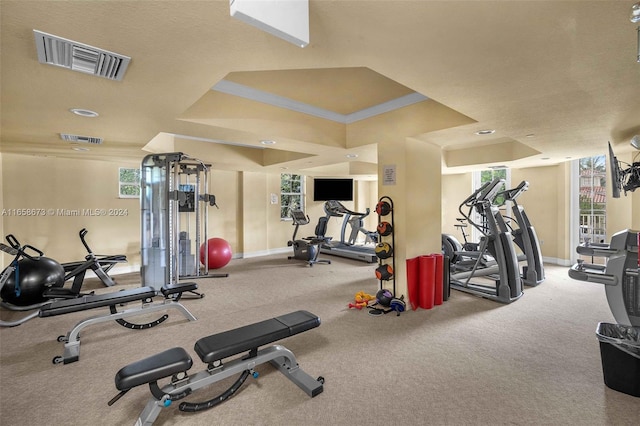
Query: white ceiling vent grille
54	50
80	139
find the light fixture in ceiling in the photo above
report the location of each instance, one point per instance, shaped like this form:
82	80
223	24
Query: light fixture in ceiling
635	13
352	155
485	132
545	158
80	139
84	112
530	135
61	52
267	142
288	20
635	18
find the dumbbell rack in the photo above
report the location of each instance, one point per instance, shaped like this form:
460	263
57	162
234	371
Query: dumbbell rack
392	259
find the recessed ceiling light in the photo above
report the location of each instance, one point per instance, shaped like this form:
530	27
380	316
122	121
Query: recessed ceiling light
635	13
267	142
530	135
84	112
352	155
545	158
79	148
485	132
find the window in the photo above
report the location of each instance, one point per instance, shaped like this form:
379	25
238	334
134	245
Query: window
291	194
129	183
479	179
593	203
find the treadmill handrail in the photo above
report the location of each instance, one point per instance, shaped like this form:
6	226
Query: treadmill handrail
336	208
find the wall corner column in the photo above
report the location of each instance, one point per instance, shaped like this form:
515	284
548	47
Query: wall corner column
409	172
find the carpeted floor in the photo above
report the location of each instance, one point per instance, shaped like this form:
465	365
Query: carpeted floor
469	361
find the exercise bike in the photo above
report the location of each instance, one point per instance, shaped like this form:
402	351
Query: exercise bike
308	249
467	245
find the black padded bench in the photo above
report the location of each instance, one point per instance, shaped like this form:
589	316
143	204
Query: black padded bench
113	300
212	350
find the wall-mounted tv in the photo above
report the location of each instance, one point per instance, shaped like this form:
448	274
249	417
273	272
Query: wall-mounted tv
332	189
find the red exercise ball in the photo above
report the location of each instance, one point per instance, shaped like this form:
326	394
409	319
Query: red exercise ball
219	253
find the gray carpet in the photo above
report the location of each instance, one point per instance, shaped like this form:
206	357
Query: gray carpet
468	361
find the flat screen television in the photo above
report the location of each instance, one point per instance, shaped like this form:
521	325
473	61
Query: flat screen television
616	175
332	189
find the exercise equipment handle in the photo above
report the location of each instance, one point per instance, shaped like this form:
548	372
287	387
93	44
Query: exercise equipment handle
13	241
32	257
21	250
82	234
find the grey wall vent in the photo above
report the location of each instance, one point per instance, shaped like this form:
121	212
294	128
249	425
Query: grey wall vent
80	139
54	50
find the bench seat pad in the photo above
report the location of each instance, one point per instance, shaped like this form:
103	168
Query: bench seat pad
156	367
228	343
95	301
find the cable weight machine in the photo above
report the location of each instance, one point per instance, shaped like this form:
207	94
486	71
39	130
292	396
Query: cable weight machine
174	206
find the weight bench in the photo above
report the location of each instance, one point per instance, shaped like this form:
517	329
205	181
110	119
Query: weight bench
145	295
212	350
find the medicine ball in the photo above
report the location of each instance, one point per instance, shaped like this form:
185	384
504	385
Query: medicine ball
34	277
384	297
384	250
384	272
383	208
385	228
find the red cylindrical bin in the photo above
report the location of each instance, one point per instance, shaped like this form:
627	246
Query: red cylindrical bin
413	268
439	285
427	276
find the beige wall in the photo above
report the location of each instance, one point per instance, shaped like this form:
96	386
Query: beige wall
245	217
541	204
54	193
455	189
416	196
252	225
546	204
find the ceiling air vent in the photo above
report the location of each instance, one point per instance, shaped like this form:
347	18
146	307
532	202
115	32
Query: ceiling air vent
54	50
80	139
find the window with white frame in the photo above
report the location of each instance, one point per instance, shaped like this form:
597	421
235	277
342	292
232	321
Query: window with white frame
128	182
482	177
291	194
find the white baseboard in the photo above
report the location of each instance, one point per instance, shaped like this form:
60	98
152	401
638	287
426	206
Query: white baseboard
556	261
260	253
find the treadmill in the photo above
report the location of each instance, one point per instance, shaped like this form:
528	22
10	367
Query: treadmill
347	248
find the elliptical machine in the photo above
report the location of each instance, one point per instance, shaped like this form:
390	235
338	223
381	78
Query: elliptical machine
526	238
499	281
308	249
